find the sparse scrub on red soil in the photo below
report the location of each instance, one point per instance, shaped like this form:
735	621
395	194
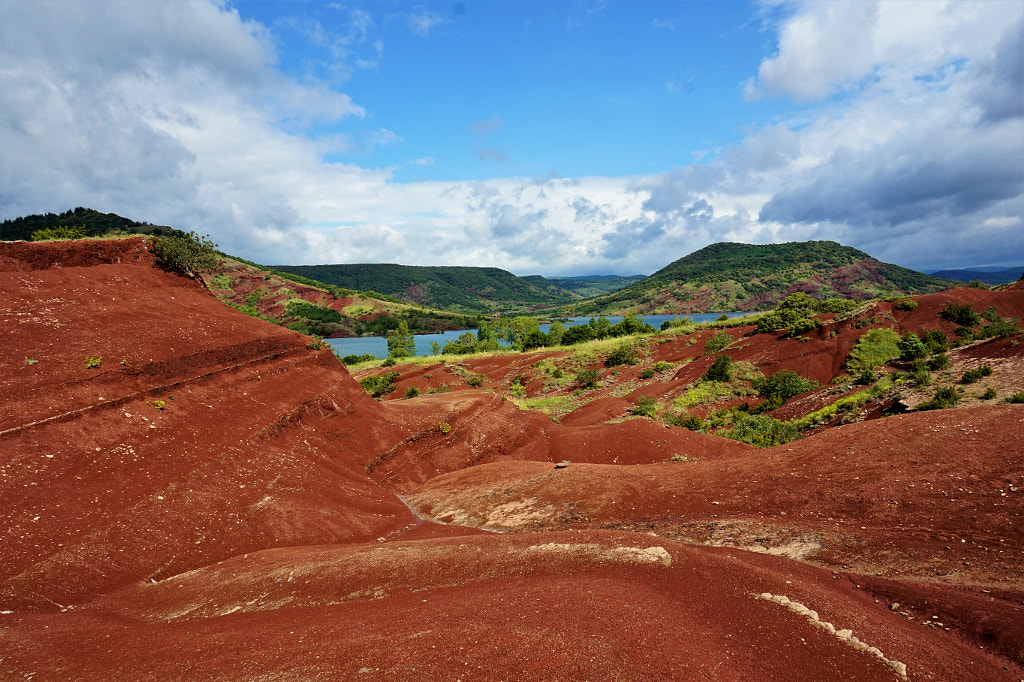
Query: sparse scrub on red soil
253	528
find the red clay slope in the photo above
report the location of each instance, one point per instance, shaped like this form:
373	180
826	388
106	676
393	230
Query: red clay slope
249	528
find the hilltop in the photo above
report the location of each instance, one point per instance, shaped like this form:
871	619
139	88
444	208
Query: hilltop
746	277
188	492
465	289
320	309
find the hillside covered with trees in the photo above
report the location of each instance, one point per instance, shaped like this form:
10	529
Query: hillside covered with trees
732	276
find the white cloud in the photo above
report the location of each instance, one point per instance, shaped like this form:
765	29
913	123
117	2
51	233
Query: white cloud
176	113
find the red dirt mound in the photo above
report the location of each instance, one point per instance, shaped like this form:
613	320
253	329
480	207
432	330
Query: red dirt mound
222	505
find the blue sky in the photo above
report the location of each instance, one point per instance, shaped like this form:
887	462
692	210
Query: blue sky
531	88
556	138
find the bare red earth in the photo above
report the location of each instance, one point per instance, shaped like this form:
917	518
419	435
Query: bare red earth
224	504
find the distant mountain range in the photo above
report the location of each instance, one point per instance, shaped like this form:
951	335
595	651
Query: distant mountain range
721	277
986	275
730	276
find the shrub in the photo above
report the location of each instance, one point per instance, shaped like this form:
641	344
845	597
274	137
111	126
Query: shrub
92	363
874	348
718	341
761	431
989	394
588	378
936	341
356	359
379	385
999	327
647	373
945	397
311	311
1016	398
962	315
389	362
972	375
693	422
187	252
59	232
646	406
412	392
911	347
475	380
780	387
720	370
921	377
662	366
906	304
938	362
624	354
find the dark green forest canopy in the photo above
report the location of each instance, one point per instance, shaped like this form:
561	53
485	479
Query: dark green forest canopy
468	289
96	224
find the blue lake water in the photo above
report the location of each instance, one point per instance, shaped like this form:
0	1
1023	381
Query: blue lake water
378	345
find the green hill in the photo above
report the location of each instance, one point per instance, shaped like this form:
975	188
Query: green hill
731	276
464	289
96	224
586	286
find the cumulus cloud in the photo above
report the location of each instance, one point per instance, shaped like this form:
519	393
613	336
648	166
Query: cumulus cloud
909	145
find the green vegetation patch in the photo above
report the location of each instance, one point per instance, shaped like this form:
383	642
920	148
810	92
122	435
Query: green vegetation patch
761	431
379	385
311	311
874	348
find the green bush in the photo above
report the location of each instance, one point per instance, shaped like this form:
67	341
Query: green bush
989	394
780	387
588	378
973	375
356	359
1016	398
718	341
936	341
311	311
646	373
945	397
761	431
379	385
188	253
412	392
938	362
719	370
59	232
475	380
911	347
1000	328
874	348
647	406
693	422
662	366
624	354
962	315
906	304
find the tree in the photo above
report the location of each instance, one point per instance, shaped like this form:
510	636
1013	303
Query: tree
187	252
720	370
555	333
911	347
401	343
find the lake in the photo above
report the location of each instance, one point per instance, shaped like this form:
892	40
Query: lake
378	345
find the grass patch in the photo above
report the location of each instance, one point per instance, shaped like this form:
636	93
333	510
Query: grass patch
874	348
